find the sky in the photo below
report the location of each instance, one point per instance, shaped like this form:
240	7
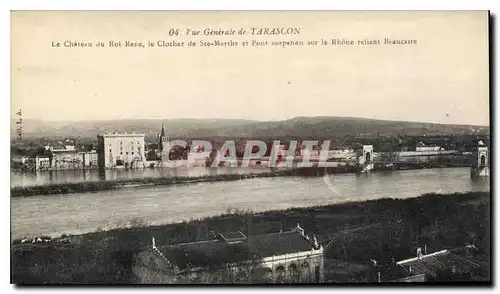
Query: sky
442	79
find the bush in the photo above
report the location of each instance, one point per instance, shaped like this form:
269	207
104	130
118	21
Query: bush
139	223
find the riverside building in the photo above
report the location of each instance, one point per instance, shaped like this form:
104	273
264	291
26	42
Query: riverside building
121	150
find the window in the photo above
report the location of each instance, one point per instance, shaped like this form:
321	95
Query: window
121	153
317	274
126	153
132	153
280	270
109	150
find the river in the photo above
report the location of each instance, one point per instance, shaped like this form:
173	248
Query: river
26	179
85	212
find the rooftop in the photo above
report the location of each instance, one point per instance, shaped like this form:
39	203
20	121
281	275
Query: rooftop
110	135
431	264
65	149
275	244
236	247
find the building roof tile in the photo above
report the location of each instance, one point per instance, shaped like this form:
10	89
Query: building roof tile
440	261
218	252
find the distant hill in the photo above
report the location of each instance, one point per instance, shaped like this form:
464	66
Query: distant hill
150	127
299	127
325	127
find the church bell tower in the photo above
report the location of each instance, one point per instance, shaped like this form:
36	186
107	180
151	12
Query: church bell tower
162	142
162	138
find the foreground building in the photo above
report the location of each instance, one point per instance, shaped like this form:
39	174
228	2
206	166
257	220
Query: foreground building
121	150
280	257
446	265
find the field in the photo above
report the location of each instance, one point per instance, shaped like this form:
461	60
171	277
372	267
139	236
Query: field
352	233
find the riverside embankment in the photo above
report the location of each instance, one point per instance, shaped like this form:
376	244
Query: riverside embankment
377	229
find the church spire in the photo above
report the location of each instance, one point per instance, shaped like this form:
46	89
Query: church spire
162	138
162	134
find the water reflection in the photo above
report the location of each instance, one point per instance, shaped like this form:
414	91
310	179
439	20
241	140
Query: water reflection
22	179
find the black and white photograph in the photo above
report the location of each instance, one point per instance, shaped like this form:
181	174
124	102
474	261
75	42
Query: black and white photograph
250	147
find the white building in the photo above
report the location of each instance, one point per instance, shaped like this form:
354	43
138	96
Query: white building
90	159
421	147
121	150
42	163
428	148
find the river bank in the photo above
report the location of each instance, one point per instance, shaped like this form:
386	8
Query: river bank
94	186
390	228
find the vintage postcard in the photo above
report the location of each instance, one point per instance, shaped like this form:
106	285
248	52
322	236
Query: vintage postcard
250	147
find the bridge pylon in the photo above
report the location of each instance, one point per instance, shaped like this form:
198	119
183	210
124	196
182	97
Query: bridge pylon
365	158
481	165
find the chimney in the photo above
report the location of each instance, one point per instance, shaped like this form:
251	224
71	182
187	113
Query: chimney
154	243
300	230
419	253
316	244
378	274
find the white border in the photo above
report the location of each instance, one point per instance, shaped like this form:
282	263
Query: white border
492	5
253	5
